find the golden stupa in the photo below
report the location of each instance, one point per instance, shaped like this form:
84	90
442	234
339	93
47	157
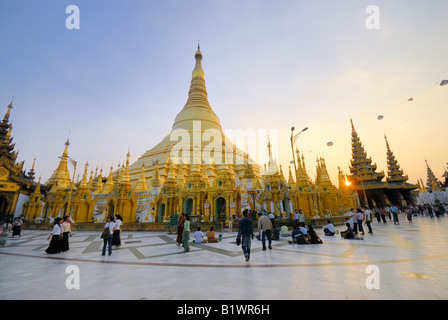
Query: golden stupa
189	139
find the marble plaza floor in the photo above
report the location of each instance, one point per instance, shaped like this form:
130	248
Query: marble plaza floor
406	261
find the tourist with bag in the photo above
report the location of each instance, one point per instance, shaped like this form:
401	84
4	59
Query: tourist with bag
108	231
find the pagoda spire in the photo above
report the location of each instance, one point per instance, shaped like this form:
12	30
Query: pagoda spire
394	173
99	183
432	183
155	181
363	172
8	112
125	179
109	186
84	182
197	107
290	177
422	186
361	167
302	177
31	174
141	185
61	176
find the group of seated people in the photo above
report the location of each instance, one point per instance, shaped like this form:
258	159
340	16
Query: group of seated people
302	235
209	236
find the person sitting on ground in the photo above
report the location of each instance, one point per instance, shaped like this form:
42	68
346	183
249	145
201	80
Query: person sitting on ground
347	234
284	232
211	235
298	236
329	229
198	236
313	237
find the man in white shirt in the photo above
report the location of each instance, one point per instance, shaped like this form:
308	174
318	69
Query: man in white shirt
360	219
353	221
296	218
368	218
329	229
108	241
198	236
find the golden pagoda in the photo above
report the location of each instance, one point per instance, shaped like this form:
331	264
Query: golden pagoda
304	192
328	201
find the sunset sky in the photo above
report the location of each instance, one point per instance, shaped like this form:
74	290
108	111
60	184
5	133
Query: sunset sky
117	83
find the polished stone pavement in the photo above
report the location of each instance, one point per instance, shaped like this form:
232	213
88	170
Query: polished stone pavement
409	261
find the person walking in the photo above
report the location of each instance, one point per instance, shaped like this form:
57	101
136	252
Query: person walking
383	215
66	233
17	227
180	229
409	213
296	217
107	240
116	237
246	234
265	228
55	243
7	227
394	211
377	214
186	234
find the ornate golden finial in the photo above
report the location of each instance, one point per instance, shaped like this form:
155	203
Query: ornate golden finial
198	71
198	54
387	143
6	117
353	127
